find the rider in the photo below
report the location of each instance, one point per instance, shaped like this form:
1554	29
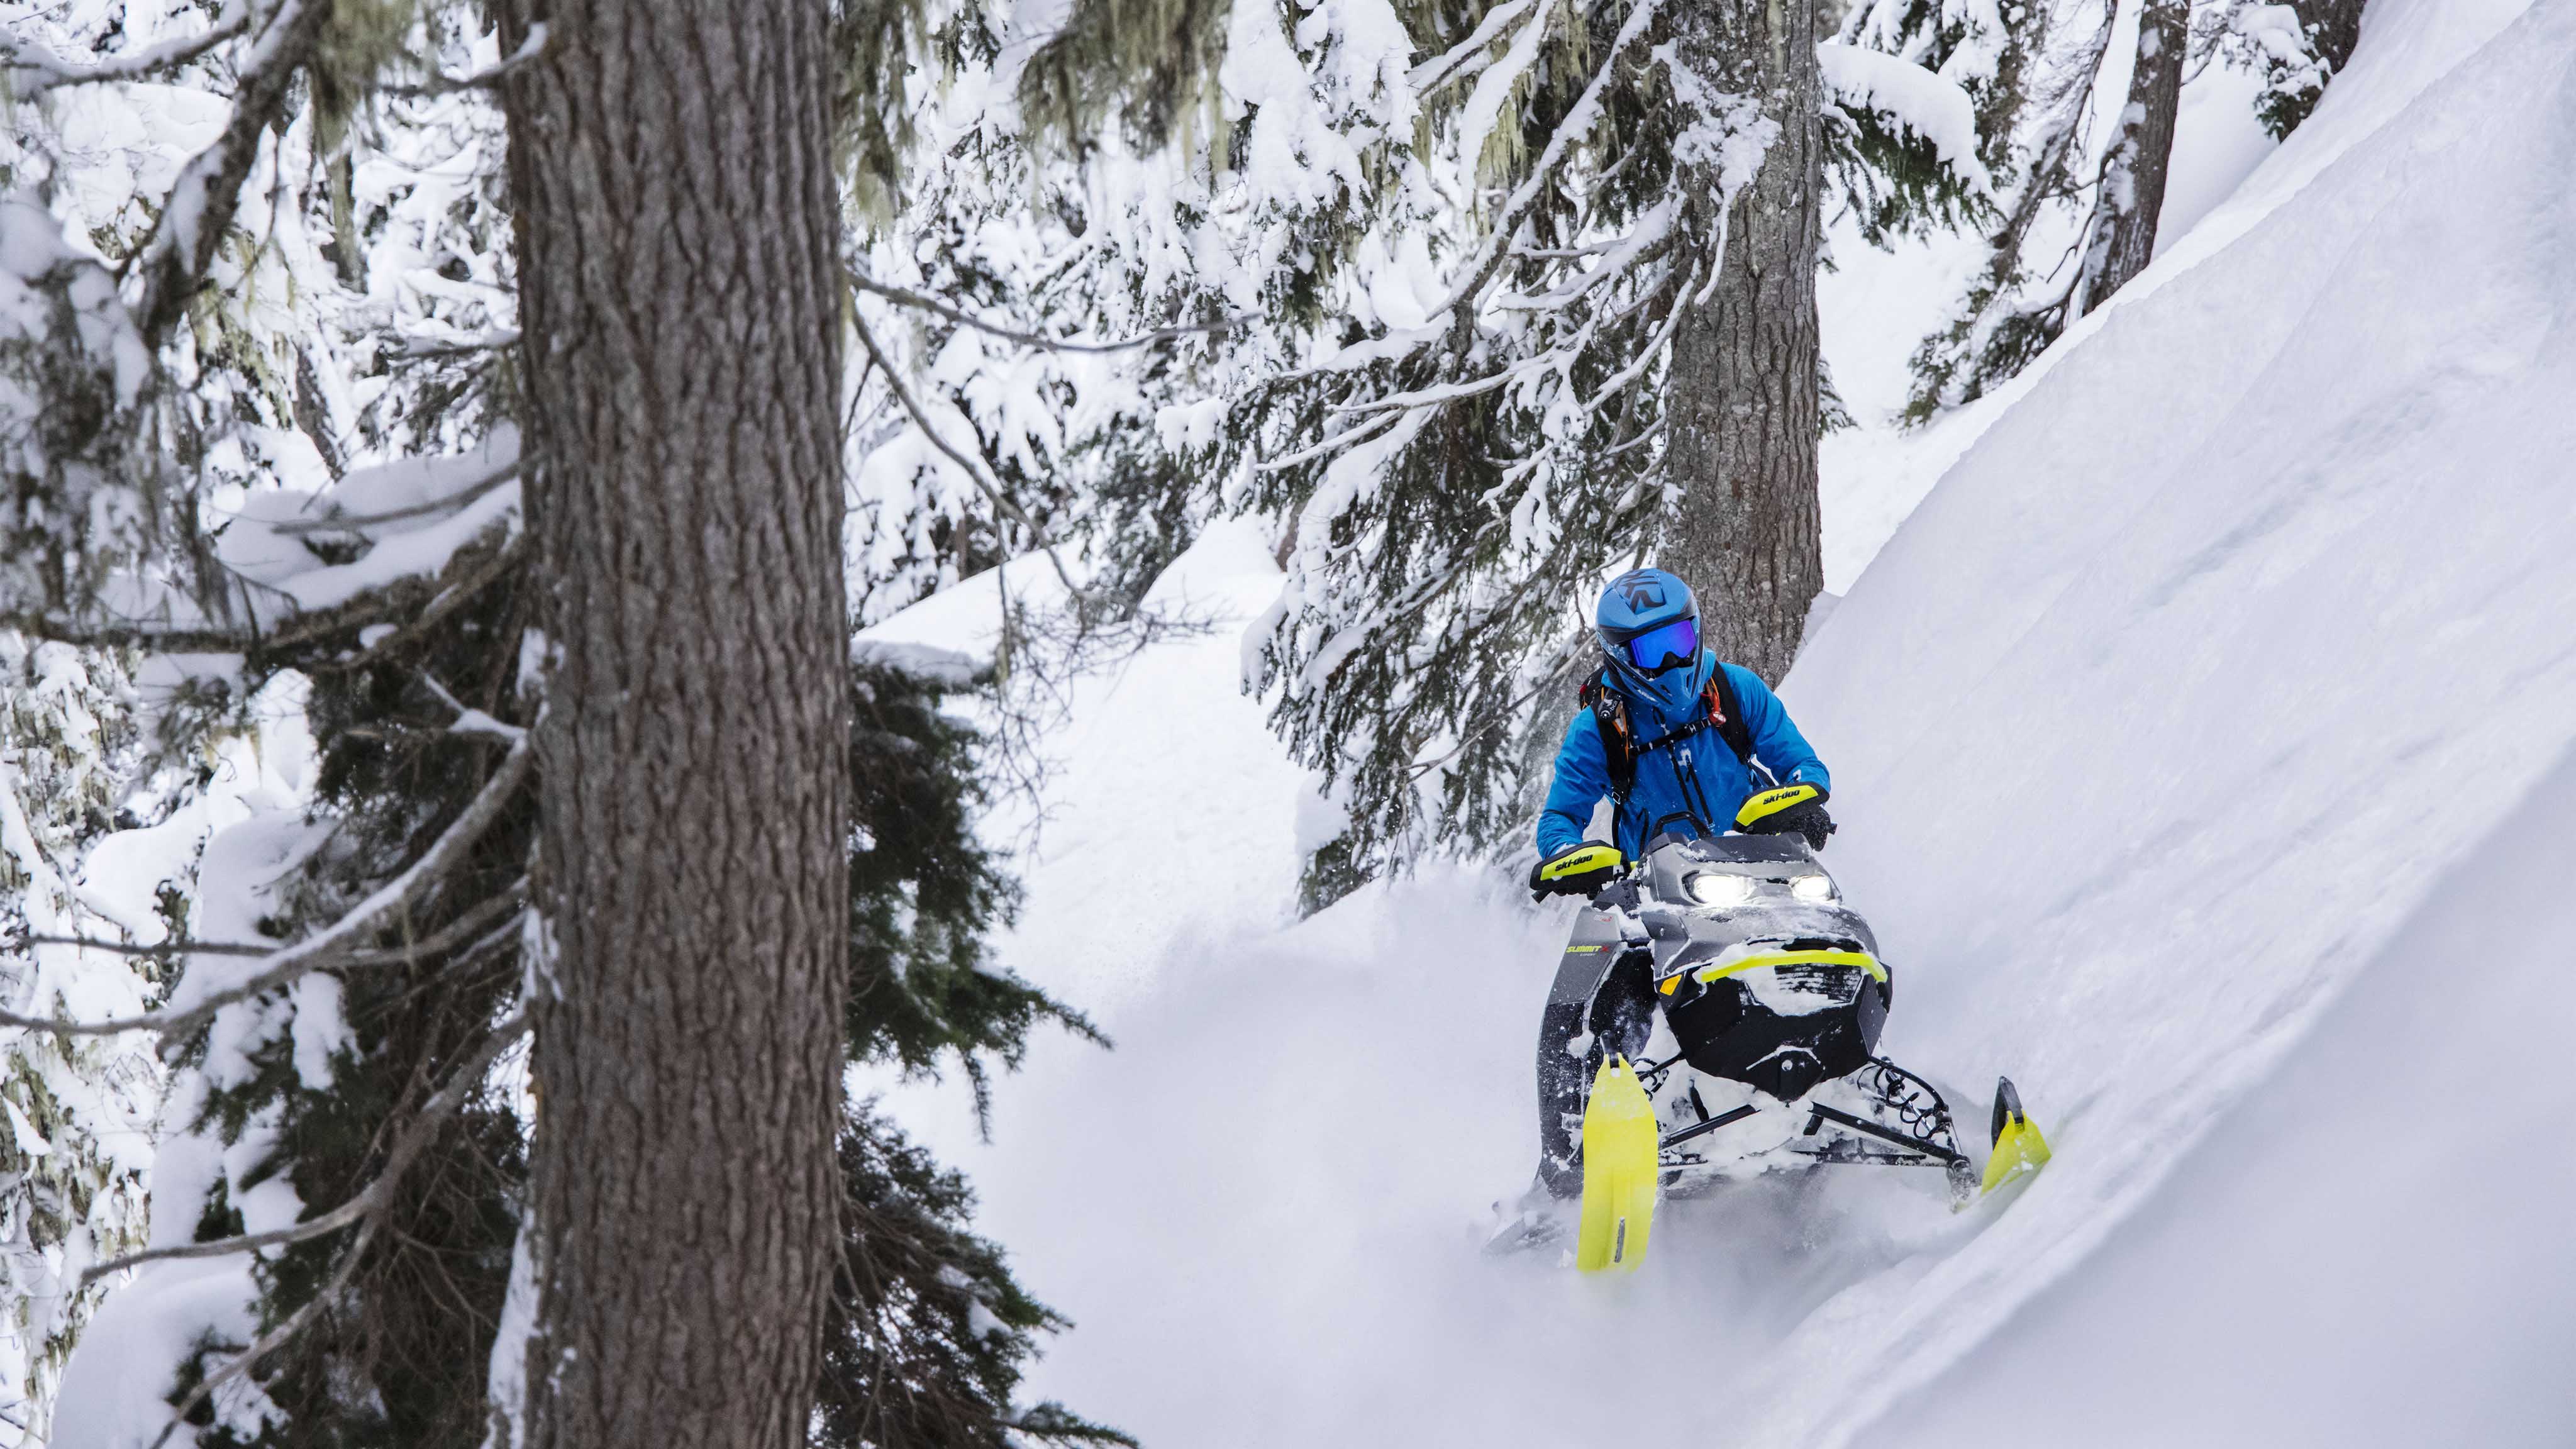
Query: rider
1681	744
1674	739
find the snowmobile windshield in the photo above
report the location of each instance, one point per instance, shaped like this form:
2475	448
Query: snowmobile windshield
1666	646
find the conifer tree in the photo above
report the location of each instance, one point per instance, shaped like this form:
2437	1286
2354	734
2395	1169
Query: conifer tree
2046	185
341	1017
1740	396
2297	49
1459	256
2123	229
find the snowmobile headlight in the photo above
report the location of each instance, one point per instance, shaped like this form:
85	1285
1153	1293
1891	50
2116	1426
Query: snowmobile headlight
1815	888
1715	889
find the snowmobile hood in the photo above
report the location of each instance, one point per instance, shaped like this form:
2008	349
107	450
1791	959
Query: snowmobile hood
1729	895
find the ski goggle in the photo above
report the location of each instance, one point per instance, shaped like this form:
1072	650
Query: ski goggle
1666	646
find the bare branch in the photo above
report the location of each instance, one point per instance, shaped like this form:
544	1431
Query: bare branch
415	1138
200	206
469	720
150	637
529	51
32	71
420	348
446	503
333	943
933	305
127	948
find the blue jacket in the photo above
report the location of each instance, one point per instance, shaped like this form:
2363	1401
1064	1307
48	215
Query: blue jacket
1698	777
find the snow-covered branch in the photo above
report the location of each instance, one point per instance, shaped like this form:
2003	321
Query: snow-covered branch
417	1130
445	85
365	1211
31	69
172	263
999	496
937	308
192	1005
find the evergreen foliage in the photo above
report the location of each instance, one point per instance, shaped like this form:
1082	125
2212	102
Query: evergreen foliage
930	1330
2296	49
2050	169
71	1177
926	1332
1456	476
366	1121
1450	235
925	893
1893	175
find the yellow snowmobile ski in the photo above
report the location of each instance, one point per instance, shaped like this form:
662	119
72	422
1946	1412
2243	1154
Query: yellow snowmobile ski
1619	1171
2019	1149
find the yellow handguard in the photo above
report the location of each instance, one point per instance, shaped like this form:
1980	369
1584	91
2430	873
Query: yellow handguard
1772	802
1583	860
1619	1171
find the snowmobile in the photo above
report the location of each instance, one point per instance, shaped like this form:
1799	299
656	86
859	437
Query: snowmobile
1716	1015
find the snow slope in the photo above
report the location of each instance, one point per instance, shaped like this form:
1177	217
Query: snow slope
2158	731
2373	1250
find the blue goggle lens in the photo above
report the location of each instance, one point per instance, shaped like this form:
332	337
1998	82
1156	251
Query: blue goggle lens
1666	646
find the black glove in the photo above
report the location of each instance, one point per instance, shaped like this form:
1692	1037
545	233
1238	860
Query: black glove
1577	870
1797	809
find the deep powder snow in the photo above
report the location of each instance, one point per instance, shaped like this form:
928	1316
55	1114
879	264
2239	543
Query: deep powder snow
2165	726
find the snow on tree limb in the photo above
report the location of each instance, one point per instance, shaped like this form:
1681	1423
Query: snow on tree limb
172	263
937	308
1918	101
419	1126
31	68
199	996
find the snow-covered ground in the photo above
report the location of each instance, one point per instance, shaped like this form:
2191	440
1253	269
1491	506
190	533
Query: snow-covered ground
2201	742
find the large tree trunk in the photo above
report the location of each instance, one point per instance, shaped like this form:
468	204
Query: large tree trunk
671	178
2133	176
1740	400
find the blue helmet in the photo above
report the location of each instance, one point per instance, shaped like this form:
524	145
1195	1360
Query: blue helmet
1648	625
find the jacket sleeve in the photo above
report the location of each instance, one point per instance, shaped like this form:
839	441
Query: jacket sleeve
1582	780
1776	741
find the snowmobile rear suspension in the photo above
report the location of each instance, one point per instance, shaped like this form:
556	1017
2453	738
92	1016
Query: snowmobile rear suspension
1706	1125
1931	1151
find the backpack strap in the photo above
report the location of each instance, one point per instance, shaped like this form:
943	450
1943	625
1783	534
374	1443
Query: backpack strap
1726	712
1619	746
1618	742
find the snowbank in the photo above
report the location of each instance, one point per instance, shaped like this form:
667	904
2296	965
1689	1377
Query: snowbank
2370	1250
2247	619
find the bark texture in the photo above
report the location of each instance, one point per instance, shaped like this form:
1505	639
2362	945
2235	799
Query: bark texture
1741	394
677	225
2133	176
